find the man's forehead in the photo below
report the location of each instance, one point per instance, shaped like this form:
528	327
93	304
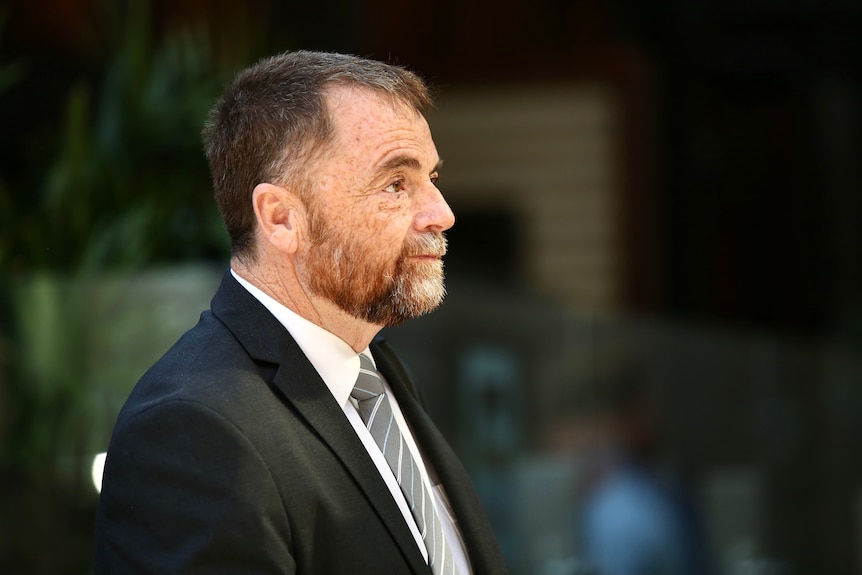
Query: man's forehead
344	101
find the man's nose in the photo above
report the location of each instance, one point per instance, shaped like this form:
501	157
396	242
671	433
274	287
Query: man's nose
434	213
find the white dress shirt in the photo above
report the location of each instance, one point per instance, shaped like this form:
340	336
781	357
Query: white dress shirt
338	367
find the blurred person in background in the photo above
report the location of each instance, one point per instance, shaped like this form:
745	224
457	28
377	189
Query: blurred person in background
637	517
246	448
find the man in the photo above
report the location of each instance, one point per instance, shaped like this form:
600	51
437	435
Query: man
246	448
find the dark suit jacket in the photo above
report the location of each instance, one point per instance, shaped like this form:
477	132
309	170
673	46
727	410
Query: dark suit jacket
232	457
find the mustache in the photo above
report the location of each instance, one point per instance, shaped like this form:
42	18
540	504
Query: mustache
428	244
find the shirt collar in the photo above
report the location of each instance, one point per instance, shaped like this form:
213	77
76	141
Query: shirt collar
332	358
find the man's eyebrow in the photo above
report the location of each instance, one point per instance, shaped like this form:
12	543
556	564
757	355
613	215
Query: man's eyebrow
402	161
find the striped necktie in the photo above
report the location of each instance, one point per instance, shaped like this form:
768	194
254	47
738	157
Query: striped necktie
375	410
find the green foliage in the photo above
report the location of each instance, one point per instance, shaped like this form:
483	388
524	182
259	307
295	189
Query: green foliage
126	188
128	185
119	186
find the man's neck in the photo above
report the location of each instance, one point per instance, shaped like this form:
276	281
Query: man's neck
284	287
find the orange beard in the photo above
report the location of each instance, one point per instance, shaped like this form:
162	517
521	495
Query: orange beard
351	275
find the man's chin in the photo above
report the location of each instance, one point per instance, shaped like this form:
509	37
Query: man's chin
404	302
425	298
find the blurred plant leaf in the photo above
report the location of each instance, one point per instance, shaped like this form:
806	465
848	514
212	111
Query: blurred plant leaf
128	185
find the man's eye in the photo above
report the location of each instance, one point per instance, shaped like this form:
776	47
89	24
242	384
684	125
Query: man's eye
394	187
434	177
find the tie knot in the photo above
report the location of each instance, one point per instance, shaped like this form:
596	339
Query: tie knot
368	384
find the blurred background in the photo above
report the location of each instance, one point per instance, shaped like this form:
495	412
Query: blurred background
651	355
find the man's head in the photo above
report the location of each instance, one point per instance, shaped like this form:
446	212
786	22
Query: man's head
344	141
272	122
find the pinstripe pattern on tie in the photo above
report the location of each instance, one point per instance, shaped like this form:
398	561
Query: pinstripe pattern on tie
375	410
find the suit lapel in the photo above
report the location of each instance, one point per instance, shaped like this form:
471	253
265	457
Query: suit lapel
308	394
265	339
479	538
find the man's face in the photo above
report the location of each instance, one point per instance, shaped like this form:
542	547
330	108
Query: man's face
377	219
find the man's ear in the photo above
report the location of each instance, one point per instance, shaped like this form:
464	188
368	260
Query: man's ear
280	216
